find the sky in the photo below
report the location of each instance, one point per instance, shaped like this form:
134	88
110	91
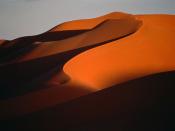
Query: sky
30	17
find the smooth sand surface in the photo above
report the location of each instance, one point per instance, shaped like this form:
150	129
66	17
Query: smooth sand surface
107	31
83	57
142	104
50	56
150	50
89	23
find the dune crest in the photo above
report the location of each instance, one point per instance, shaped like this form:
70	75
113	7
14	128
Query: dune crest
85	24
117	55
150	50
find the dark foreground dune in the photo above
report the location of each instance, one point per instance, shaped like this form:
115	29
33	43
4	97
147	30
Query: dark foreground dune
141	104
114	72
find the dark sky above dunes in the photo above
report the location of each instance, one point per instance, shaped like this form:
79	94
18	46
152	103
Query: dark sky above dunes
30	17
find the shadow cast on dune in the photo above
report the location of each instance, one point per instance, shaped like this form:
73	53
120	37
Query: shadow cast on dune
13	78
21	46
36	93
104	30
142	104
15	82
58	35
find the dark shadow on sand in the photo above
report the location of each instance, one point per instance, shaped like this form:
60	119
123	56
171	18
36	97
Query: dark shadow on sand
19	78
23	45
141	105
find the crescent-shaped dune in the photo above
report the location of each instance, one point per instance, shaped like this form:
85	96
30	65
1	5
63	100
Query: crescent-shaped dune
145	52
111	72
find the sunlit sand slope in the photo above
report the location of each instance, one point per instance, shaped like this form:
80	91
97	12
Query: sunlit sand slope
150	50
33	66
85	24
111	72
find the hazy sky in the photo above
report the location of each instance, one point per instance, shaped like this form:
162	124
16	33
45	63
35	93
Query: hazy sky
30	17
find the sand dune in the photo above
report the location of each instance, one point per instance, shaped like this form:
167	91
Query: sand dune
100	73
90	23
114	29
145	52
55	54
141	104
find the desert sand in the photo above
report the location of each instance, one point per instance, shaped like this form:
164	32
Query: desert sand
145	52
111	72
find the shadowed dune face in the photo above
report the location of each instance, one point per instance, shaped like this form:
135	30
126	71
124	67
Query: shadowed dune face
125	24
44	79
142	104
21	46
45	57
106	31
149	50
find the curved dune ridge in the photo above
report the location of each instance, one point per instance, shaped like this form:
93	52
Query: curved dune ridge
44	75
85	24
143	53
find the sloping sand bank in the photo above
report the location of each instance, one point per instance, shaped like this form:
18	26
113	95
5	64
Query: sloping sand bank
111	72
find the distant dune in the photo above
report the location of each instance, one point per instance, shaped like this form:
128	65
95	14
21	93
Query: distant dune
113	72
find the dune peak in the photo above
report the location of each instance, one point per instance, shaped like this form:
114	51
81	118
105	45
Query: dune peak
84	71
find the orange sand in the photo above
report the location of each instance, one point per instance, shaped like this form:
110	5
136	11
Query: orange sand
124	47
89	23
150	50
